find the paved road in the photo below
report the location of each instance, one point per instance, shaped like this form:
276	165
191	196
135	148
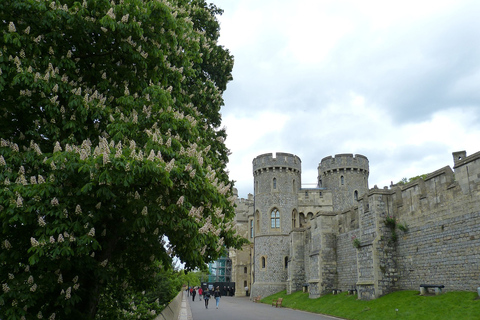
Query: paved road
241	308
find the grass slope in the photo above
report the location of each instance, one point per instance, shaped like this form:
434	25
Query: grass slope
410	305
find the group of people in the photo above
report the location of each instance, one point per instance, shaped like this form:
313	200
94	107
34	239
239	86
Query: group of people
206	294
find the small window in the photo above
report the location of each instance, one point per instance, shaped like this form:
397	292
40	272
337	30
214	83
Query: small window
306	194
320	183
285	262
251	228
264	262
274	183
355	195
244	269
342	180
257	222
275	218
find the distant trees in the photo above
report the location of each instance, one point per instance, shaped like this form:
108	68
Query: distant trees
111	157
407	180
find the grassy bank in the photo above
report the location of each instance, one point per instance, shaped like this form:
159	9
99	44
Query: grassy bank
410	305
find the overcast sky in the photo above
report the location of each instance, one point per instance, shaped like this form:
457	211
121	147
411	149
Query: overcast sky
395	81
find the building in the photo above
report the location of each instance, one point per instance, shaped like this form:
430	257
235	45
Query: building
336	235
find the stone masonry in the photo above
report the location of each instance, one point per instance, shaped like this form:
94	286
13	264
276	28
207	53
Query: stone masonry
425	231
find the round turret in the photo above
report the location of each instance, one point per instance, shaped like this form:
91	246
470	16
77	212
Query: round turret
277	180
347	176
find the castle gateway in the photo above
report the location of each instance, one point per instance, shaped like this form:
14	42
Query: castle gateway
342	235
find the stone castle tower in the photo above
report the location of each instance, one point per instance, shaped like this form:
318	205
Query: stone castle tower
276	182
346	176
335	235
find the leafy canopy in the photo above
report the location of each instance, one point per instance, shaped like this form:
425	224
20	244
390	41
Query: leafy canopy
110	146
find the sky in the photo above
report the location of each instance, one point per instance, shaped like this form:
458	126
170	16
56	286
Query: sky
395	81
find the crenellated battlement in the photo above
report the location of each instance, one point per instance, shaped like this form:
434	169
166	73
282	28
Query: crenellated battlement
344	161
343	235
282	161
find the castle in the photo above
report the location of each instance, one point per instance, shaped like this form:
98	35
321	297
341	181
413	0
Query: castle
341	235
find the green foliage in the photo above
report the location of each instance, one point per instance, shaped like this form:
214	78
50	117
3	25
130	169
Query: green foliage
390	222
405	180
356	242
192	279
112	161
403	227
410	305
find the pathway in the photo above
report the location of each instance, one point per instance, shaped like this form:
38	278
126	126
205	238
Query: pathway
241	308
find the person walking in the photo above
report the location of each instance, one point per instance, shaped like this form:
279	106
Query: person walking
206	297
217	296
200	293
194	293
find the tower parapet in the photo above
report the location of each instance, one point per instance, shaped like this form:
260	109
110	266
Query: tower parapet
344	161
282	161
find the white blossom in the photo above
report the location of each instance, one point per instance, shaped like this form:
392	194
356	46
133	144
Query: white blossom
41	222
34	242
111	14
54	202
68	293
180	201
7	244
11	27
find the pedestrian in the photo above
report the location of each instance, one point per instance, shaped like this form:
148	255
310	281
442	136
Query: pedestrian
194	293
200	293
217	296
206	297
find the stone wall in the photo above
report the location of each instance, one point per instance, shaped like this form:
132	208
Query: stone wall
438	244
346	261
442	242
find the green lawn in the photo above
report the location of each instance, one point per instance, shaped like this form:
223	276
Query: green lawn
410	305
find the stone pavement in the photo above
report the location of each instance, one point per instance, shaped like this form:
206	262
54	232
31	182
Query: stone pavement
241	308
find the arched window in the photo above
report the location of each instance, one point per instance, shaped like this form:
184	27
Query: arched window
355	195
264	262
245	283
342	180
274	183
275	218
